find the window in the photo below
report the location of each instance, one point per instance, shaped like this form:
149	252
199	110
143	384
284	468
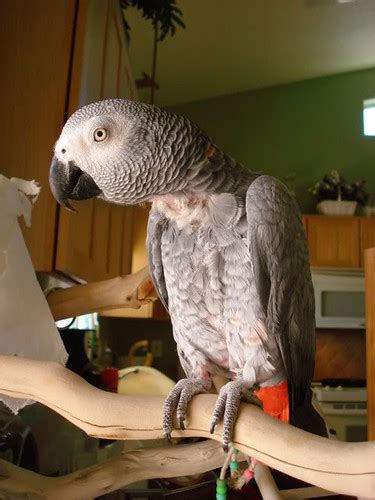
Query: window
369	117
84	322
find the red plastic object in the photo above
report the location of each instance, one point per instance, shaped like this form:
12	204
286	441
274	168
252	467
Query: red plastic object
109	379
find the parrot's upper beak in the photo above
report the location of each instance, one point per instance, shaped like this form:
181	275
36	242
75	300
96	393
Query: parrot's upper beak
67	181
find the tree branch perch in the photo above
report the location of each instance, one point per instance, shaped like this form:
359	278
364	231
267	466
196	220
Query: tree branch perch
132	290
128	467
347	468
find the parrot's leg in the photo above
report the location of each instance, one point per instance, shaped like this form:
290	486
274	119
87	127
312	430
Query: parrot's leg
179	398
227	404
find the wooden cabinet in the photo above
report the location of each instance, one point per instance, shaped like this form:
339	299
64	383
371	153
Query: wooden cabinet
57	56
339	241
95	243
333	241
35	49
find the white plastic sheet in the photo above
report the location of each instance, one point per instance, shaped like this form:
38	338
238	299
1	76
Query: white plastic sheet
27	328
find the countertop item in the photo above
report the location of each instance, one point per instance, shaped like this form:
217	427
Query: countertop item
144	381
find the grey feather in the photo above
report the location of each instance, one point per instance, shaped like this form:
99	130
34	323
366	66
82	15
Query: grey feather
153	243
282	274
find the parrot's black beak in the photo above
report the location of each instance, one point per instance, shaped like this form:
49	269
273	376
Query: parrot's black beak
68	182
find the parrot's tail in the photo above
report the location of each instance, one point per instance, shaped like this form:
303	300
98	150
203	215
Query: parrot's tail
275	400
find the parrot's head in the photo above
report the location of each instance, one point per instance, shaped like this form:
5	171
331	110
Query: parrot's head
125	152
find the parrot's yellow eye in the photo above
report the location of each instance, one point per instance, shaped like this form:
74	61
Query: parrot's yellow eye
100	134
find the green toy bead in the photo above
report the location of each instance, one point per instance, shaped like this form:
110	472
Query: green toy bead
234	466
221	496
221	489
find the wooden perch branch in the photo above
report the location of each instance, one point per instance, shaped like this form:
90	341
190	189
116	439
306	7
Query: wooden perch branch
128	467
132	291
135	465
347	468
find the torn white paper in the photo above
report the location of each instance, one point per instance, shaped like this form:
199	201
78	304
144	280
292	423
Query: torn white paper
27	328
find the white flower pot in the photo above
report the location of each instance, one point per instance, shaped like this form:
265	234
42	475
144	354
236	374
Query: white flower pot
336	207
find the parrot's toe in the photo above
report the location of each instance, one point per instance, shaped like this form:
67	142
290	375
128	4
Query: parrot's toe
179	398
228	401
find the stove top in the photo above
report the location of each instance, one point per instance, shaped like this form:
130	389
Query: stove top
344	382
341	390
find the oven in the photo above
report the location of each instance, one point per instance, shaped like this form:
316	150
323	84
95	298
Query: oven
344	407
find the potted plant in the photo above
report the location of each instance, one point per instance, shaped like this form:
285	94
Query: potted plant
336	196
165	17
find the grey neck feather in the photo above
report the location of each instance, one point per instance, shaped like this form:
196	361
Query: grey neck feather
219	174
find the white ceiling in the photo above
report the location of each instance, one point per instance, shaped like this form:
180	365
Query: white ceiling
238	45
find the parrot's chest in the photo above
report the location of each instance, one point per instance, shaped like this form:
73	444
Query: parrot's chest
218	321
211	270
211	293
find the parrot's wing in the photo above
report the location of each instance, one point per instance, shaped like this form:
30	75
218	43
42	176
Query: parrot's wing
155	226
281	267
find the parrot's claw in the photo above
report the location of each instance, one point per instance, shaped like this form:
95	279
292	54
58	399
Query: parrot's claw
181	422
227	404
179	398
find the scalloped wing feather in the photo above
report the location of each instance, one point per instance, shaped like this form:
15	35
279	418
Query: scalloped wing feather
155	225
282	273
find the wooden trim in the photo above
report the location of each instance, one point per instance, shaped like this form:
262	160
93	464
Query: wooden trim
370	338
127	240
63	240
367	235
79	45
104	58
109	242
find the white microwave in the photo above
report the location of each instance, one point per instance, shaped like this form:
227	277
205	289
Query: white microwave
339	298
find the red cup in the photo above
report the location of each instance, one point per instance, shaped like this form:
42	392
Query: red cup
109	379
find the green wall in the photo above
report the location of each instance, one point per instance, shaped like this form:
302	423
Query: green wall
307	128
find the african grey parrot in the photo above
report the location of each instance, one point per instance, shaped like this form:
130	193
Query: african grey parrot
226	247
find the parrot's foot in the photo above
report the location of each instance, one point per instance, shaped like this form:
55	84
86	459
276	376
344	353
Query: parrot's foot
179	398
230	397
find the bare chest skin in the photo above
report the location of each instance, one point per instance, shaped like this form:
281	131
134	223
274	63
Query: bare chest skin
188	212
212	297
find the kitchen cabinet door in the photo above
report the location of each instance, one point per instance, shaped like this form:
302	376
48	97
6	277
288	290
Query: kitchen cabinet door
36	42
333	241
95	244
367	235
